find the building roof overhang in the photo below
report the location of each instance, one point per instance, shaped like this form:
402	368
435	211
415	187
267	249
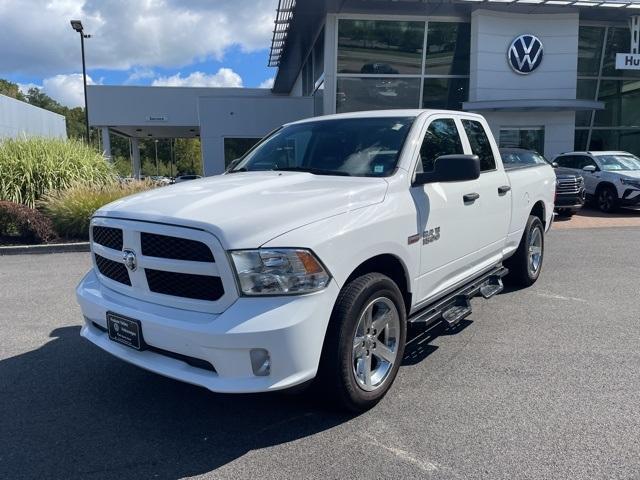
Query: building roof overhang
533	105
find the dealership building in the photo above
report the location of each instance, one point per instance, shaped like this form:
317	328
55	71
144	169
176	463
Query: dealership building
551	75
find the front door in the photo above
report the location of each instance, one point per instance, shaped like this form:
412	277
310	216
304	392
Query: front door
447	224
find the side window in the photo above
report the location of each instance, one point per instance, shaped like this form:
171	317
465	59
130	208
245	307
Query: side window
583	161
441	138
480	144
568	161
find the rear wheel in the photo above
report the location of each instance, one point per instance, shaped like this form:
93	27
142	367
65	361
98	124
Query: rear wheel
607	199
525	265
365	342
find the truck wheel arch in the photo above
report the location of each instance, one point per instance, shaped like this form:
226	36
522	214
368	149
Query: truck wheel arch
391	266
539	211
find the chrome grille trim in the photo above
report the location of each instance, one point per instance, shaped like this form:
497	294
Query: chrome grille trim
569	185
219	273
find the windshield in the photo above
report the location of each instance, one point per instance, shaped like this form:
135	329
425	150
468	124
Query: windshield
619	162
363	147
521	158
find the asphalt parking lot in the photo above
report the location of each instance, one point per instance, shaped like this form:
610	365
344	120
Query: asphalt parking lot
541	383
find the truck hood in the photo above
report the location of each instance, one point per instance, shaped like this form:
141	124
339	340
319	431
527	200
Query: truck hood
246	210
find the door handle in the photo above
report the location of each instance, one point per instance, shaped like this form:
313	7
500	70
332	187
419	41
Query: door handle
471	197
503	189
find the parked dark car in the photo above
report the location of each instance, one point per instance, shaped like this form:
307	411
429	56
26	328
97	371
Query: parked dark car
570	192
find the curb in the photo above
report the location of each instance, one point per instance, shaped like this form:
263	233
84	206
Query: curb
41	249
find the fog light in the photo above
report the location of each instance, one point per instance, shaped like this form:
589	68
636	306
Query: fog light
260	362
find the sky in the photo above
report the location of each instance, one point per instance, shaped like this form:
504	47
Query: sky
215	43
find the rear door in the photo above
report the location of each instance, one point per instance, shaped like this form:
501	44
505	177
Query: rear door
494	190
447	225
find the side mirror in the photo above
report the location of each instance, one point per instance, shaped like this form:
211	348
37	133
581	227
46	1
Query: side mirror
589	168
554	164
451	168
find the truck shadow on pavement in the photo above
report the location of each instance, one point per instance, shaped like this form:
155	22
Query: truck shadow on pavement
69	410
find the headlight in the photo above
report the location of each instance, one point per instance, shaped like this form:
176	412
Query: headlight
631	183
282	271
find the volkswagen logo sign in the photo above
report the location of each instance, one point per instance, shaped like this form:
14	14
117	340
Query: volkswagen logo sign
130	261
525	54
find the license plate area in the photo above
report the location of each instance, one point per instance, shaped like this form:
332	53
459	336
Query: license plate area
124	330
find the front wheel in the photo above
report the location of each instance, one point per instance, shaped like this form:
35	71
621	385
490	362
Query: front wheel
525	265
365	342
607	199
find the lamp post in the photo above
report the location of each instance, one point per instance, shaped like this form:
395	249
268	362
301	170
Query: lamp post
77	26
157	171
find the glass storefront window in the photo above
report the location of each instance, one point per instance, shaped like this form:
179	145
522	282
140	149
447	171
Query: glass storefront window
448	48
580	140
590	50
235	148
618	41
318	57
447	93
622	102
527	138
357	94
626	140
380	46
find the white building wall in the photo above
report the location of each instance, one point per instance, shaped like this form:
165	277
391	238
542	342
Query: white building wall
559	127
491	76
18	119
243	116
555	79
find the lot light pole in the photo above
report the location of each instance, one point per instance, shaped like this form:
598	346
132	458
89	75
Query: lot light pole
157	170
77	26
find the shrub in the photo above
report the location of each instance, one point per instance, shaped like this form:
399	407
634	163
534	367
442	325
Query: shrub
26	224
30	167
71	209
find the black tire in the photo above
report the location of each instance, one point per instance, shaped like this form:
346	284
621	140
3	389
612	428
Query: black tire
336	375
565	212
607	199
520	268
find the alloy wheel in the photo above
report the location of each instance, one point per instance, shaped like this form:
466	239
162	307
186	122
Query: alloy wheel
375	343
535	251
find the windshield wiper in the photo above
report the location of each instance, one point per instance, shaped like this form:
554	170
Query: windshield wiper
315	171
243	169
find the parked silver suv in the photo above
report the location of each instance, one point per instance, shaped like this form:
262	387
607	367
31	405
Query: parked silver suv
611	179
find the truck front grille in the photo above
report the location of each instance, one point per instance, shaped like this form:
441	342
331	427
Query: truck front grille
114	270
163	246
108	237
187	285
569	186
174	266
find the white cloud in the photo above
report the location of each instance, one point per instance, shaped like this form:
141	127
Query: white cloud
66	89
268	83
225	77
140	73
127	34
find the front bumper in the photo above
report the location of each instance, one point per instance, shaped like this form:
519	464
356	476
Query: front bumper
291	329
630	197
570	201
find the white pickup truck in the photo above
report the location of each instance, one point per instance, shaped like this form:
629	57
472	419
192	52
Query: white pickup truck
308	259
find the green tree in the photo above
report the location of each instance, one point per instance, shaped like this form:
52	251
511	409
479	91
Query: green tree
188	156
11	89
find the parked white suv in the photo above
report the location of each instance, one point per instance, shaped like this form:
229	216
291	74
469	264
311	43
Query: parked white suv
611	179
310	257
